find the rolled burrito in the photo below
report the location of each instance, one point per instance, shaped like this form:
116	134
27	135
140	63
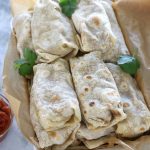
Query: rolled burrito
55	113
52	32
22	29
93	26
138	115
98	95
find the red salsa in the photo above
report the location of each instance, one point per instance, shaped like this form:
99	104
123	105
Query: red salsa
5	117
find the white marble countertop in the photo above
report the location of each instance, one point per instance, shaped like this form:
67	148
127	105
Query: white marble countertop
14	139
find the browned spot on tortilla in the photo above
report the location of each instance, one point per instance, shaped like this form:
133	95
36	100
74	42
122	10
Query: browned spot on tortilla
115	113
84	112
81	95
88	77
126	104
73	49
96	21
64	45
55	98
92	104
86	89
142	129
53	134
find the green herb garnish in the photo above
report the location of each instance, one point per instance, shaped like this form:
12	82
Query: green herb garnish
30	56
68	6
129	64
26	69
25	65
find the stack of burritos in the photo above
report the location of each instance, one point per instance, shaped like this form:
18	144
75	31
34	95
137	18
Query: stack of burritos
78	92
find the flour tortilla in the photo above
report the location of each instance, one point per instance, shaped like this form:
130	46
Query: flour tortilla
97	92
90	134
52	32
138	115
64	137
93	26
22	29
55	114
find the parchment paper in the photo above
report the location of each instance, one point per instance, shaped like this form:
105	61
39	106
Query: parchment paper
16	90
134	19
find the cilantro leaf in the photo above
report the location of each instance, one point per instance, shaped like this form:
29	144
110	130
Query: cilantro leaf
129	64
25	65
68	6
30	56
26	69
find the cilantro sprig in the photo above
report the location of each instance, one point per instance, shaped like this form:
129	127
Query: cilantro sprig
25	65
68	7
129	64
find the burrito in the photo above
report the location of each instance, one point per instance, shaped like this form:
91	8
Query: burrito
53	34
22	29
54	107
138	115
120	47
100	102
93	26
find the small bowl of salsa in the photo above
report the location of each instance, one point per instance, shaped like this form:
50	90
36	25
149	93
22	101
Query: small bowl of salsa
5	116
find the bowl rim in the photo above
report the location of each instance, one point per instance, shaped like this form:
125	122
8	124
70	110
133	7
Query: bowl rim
5	99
